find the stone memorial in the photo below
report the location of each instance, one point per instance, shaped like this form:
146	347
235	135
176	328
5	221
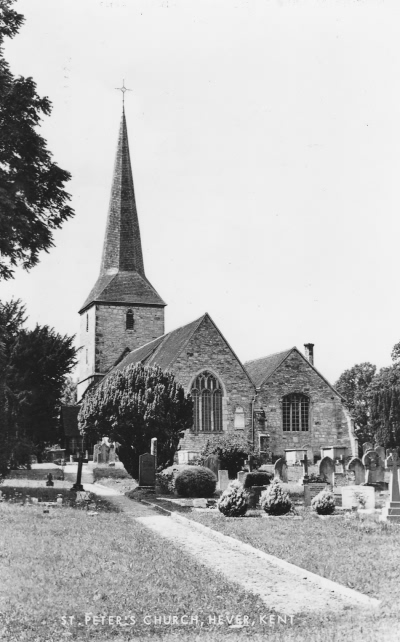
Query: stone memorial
391	512
304	463
213	463
367	446
153	450
104	453
311	490
281	470
326	468
381	452
358	496
374	469
223	480
241	476
356	466
147	470
96	452
49	480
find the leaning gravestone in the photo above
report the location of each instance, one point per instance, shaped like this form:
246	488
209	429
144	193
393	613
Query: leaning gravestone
213	462
374	470
367	446
356	466
281	470
223	480
147	470
326	468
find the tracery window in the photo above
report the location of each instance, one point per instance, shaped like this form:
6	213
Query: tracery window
129	320
207	403
296	411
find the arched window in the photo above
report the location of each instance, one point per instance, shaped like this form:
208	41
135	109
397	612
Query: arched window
296	411
129	320
207	403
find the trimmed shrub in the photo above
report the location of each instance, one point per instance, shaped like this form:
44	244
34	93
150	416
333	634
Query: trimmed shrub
324	502
232	451
275	500
257	478
166	478
233	501
195	481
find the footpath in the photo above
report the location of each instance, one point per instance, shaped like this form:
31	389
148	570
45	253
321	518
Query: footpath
282	586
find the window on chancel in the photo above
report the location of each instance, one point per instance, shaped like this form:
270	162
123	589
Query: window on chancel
296	412
207	403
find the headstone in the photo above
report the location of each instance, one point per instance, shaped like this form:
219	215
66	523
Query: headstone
96	452
213	463
153	450
391	512
147	470
49	480
104	452
111	455
341	479
223	480
374	470
82	496
249	463
241	476
311	490
304	462
339	468
356	466
381	452
326	468
367	446
358	496
281	470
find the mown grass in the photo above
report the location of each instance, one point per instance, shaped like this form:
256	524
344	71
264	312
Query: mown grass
36	473
362	555
110	473
23	496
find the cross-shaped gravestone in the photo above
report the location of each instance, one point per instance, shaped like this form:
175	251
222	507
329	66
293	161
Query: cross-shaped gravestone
392	463
304	461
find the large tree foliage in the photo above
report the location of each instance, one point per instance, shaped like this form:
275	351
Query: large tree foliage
33	202
354	385
34	364
134	405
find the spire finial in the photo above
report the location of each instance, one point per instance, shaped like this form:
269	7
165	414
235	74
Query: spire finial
123	89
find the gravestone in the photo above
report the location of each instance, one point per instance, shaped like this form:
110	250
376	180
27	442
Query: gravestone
391	512
96	451
304	463
249	463
359	496
367	446
147	471
281	470
213	463
241	476
326	468
111	454
104	453
311	490
223	480
49	480
381	452
153	450
374	470
356	466
339	468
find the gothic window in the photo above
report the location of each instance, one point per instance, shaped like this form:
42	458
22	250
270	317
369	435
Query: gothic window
296	410
207	403
129	320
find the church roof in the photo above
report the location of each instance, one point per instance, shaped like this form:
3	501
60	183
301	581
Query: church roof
163	350
122	278
261	369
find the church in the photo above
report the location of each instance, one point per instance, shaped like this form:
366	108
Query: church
280	402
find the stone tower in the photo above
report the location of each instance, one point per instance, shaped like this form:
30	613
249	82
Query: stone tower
123	311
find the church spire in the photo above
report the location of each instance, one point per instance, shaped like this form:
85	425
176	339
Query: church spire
122	248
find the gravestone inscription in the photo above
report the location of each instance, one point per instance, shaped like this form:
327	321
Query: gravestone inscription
147	471
311	490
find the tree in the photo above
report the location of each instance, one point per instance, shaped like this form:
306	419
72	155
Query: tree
34	366
355	385
134	405
33	202
69	392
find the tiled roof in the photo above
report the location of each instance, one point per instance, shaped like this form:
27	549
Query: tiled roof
260	369
69	420
163	350
122	278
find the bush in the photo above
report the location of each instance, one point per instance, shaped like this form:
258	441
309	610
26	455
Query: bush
324	503
275	500
257	478
233	501
232	450
195	481
166	478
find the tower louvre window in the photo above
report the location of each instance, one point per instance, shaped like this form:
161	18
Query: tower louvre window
130	322
295	411
207	403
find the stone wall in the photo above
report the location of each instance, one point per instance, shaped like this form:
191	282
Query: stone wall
328	424
207	350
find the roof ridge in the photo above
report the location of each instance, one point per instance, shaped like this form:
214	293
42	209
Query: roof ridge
267	356
196	322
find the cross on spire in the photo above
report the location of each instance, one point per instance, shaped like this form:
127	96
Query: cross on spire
123	89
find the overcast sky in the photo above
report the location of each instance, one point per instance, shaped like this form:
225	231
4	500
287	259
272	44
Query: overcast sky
265	145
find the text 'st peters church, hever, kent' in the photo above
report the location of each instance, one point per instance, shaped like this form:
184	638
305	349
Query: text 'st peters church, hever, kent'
279	402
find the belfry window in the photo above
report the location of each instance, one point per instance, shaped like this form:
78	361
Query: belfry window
130	322
207	403
295	411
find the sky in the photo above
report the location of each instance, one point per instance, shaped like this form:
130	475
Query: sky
265	148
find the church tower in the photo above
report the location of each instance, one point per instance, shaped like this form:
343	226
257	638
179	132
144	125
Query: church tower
123	311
